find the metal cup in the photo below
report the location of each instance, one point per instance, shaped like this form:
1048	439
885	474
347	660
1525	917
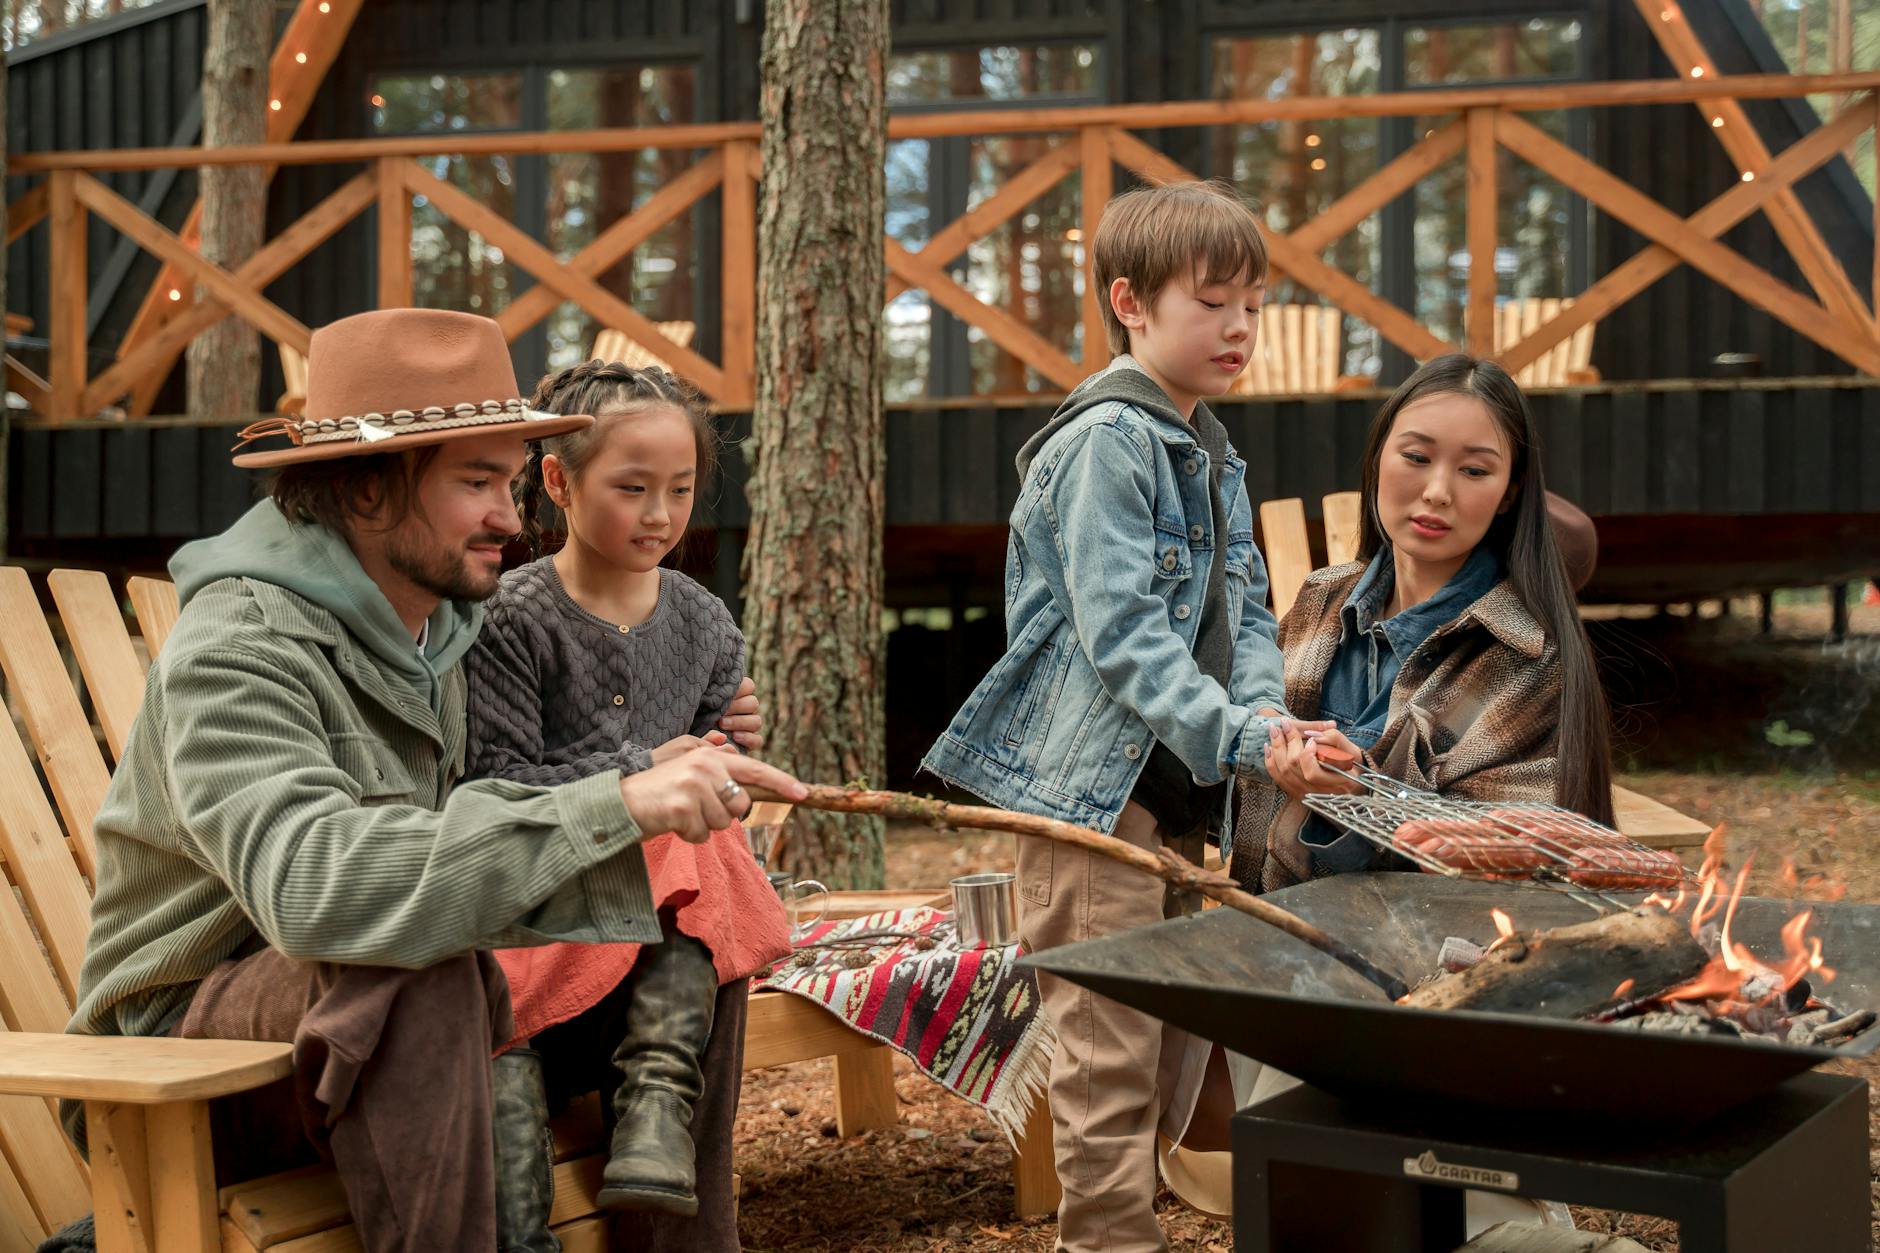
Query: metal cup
792	893
985	908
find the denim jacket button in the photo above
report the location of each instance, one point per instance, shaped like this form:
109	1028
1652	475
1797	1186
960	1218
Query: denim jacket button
1191	466
1131	751
1181	611
1196	532
1169	559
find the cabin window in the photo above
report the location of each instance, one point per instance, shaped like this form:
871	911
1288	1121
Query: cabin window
1032	265
563	199
1294	170
1414	251
453	267
590	191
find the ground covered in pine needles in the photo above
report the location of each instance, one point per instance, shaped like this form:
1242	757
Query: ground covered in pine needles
1776	738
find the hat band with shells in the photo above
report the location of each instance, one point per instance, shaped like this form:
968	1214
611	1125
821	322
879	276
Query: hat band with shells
370	428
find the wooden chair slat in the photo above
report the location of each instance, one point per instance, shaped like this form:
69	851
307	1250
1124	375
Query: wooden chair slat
1344	520
155	603
43	1164
41	862
94	623
30	996
61	732
1288	550
576	1183
20	1228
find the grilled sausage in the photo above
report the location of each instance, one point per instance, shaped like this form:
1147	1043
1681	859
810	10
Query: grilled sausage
1469	844
1604	866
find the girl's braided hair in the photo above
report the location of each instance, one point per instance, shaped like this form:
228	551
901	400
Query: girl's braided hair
610	391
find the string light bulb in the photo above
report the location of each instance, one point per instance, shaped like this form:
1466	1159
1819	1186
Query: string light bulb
275	105
325	7
378	101
1318	163
1697	71
1749	176
1716	123
1665	15
1313	141
175	294
300	58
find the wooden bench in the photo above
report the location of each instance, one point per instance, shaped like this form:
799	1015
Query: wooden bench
1286	544
147	1098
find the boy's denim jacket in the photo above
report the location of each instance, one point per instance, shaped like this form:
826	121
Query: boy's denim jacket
1104	584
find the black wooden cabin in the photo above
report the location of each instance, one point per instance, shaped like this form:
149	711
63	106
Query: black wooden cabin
1701	484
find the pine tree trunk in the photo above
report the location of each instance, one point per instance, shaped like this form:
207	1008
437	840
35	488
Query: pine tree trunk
818	450
224	368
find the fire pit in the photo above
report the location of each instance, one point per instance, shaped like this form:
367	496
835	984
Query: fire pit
1230	979
1409	1106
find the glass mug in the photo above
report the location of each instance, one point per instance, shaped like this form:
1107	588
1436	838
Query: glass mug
793	893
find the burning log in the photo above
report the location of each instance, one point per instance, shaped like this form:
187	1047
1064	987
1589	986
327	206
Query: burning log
1570	972
1164	863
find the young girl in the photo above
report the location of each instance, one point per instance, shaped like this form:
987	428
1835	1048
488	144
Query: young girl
1452	653
597	659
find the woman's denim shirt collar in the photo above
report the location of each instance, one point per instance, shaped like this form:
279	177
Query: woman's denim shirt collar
1406	631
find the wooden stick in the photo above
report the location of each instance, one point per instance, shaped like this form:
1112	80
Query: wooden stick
1164	863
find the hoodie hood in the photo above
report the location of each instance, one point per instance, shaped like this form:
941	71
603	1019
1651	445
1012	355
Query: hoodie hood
1122	380
316	565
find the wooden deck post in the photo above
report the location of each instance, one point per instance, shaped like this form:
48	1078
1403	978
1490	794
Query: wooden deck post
1098	183
69	282
1483	205
738	274
394	234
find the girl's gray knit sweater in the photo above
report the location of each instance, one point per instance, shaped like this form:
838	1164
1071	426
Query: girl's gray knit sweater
558	694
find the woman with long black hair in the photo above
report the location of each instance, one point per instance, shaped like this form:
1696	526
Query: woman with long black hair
1451	652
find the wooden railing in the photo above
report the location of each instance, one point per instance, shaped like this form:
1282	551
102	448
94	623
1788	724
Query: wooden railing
1093	141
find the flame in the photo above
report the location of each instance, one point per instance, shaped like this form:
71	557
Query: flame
1734	955
1504	925
1619	993
1787	875
1717	981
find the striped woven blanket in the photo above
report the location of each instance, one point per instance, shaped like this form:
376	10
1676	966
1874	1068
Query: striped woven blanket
966	1018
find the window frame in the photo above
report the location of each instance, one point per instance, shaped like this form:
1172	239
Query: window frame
1396	279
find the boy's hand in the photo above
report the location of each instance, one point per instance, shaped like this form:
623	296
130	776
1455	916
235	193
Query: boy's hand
1293	764
680	745
690	797
744	718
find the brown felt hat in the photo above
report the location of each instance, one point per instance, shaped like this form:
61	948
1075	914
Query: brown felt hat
404	378
1577	537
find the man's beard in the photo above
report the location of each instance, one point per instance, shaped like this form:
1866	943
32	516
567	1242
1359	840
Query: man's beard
435	569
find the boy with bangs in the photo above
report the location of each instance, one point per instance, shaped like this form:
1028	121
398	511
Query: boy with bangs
1141	673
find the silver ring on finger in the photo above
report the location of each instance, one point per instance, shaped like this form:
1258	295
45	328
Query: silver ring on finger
729	791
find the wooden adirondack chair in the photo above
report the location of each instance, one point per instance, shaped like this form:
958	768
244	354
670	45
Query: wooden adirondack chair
1287	548
148	1108
612	345
1296	353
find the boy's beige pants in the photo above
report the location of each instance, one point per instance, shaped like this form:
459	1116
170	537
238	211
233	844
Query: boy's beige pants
1107	1078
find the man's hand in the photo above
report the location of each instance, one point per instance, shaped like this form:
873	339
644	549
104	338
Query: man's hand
744	718
680	745
1292	761
688	795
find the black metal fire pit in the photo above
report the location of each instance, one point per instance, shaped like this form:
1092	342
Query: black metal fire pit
1230	979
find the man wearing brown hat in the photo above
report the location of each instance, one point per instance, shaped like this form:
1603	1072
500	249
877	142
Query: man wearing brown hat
285	852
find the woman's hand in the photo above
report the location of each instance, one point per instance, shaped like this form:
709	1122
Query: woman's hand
1293	764
744	718
679	746
690	795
